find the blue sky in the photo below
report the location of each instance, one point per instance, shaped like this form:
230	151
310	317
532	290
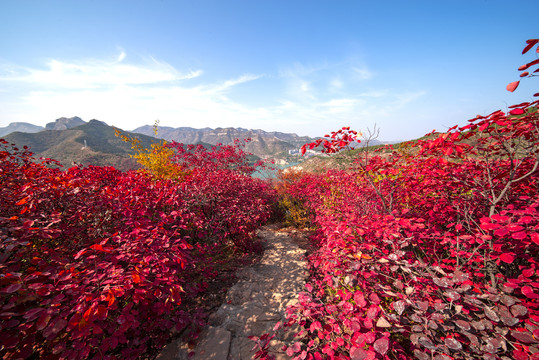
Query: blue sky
307	67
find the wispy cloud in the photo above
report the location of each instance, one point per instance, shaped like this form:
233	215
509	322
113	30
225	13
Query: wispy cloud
93	73
363	72
336	84
121	57
305	99
227	84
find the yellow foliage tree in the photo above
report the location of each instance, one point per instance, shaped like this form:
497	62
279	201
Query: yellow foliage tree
157	160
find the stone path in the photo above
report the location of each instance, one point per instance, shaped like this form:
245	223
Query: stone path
253	305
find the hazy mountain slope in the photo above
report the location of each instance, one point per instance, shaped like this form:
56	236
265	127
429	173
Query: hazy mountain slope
20	126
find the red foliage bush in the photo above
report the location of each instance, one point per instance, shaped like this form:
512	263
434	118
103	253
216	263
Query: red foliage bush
430	253
97	263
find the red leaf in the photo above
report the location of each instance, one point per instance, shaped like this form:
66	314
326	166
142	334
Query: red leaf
54	328
528	291
520	355
42	321
11	341
101	312
507	257
33	314
512	86
79	254
22	201
97	247
531	43
110	298
360	299
369	337
519	235
531	63
535	238
87	313
524	336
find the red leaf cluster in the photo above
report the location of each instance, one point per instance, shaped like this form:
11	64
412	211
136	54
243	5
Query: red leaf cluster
529	44
337	141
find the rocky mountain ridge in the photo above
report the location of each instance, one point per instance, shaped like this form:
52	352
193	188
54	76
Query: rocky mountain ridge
92	143
262	143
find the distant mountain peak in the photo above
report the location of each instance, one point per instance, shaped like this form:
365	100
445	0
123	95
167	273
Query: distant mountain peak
97	122
65	123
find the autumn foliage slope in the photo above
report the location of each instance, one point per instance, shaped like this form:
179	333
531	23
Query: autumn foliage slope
101	264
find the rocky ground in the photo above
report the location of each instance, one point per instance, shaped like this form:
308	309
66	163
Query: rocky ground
254	305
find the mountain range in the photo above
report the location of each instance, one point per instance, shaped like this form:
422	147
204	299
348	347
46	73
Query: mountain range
72	140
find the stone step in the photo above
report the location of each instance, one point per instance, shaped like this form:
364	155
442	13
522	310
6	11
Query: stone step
214	345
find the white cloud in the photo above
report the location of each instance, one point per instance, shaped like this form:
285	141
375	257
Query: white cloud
307	99
97	74
340	105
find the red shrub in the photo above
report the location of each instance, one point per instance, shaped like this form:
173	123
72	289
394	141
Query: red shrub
96	263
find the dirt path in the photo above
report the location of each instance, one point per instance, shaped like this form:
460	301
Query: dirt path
253	305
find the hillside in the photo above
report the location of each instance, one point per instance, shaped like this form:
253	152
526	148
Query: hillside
93	143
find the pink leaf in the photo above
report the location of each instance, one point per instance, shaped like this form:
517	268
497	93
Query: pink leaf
42	321
12	288
358	353
381	345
